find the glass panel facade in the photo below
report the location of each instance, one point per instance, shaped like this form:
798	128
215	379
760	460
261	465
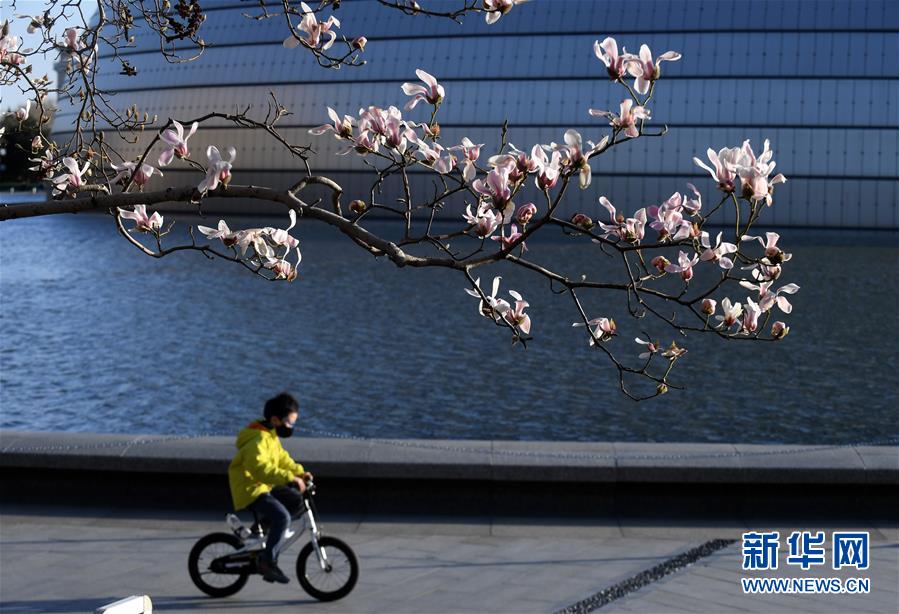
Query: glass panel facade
819	79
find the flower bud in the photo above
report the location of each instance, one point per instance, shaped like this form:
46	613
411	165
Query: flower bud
708	306
36	143
357	206
779	330
359	43
660	262
434	129
525	213
662	388
583	221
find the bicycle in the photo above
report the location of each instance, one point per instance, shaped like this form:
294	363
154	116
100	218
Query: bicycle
220	564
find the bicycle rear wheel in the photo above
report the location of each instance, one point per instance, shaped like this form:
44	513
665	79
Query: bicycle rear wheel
206	568
334	582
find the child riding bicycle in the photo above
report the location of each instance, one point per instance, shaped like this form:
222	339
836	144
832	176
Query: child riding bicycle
264	478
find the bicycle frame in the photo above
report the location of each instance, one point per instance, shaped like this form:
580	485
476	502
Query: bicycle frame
256	543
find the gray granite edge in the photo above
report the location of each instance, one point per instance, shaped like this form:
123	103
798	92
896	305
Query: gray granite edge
472	460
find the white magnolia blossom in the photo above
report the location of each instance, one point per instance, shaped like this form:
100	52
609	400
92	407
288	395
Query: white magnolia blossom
143	222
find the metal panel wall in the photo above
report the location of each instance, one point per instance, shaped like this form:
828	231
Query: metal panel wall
817	78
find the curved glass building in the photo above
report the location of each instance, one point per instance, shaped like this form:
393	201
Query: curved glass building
819	79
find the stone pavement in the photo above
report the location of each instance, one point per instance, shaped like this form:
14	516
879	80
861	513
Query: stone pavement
57	559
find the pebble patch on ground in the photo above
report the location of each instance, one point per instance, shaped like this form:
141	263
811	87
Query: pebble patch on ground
607	595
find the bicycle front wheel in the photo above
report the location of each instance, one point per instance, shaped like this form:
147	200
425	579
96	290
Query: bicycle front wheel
337	578
210	572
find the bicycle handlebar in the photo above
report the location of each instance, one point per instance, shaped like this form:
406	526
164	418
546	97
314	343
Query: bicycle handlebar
310	487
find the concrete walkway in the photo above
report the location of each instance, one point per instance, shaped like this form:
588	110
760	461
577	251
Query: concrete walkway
54	559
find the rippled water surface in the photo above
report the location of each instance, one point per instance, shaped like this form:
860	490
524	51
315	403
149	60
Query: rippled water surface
95	336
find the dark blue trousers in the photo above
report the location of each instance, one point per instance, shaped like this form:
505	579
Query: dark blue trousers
277	507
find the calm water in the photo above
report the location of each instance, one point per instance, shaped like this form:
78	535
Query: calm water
95	336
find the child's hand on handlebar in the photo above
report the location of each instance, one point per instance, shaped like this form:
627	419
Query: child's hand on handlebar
307	477
299	483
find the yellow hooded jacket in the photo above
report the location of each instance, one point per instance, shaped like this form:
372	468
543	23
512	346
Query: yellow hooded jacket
260	463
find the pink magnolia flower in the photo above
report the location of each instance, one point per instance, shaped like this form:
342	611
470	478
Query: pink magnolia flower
141	176
779	330
22	112
364	144
574	157
726	162
257	238
494	9
684	266
508	241
692	206
516	315
434	155
281	237
176	141
670	222
343	128
431	92
626	120
219	169
645	70
660	262
731	314
547	169
525	213
72	179
651	348
228	238
630	229
708	306
607	52
143	223
493	307
518	162
43	165
470	155
755	174
773	254
719	252
314	30
767	298
373	119
485	221
395	133
751	314
73	41
763	272
603	329
9	51
35	22
496	187
282	268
